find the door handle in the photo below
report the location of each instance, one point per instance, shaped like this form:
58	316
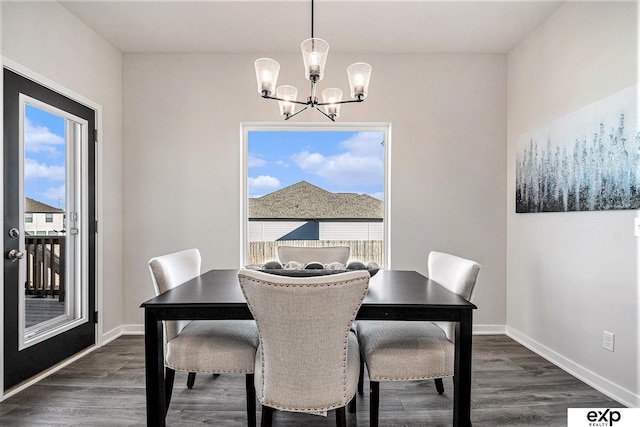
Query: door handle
15	255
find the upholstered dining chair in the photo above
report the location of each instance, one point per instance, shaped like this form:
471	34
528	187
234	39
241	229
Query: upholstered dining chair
308	360
322	254
408	351
206	346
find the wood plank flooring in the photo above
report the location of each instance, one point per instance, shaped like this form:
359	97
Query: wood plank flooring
511	387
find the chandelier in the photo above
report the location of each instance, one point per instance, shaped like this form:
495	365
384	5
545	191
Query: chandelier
314	56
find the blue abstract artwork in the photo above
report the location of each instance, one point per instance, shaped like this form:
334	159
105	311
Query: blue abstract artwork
587	160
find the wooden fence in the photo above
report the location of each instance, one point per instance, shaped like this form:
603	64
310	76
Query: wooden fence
361	250
45	266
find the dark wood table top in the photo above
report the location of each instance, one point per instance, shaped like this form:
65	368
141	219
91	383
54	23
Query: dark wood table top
387	289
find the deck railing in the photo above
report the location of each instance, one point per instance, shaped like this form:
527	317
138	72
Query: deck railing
45	266
361	250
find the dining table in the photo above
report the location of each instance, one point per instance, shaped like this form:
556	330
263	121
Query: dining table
393	295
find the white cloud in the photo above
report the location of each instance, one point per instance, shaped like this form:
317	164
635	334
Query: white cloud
255	162
307	161
262	185
39	139
365	144
33	169
55	195
361	164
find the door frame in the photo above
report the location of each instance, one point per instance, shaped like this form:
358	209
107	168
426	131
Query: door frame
99	331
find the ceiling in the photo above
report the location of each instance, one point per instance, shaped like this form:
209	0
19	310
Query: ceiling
265	26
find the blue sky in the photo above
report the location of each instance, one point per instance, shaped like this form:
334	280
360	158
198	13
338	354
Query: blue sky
347	162
339	162
44	163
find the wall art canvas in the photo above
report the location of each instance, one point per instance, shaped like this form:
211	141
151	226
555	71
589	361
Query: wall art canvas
587	160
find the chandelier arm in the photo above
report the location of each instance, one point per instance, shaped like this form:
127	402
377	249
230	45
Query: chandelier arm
350	101
296	113
325	114
293	101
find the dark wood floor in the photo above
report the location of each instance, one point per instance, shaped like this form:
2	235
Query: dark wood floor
511	387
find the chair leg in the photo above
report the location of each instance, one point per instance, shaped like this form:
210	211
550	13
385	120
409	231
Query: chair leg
341	417
267	416
352	406
439	385
169	376
251	400
191	379
361	376
374	403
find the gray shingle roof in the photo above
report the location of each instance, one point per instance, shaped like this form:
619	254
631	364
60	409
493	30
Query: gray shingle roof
35	206
306	201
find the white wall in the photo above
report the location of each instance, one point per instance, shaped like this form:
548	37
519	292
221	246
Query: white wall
182	115
44	38
572	275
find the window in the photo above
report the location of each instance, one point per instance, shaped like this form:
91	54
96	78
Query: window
49	217
28	217
315	186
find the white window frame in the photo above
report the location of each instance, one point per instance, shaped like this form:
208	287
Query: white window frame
245	128
76	304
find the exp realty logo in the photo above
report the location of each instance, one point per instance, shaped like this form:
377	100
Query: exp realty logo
603	417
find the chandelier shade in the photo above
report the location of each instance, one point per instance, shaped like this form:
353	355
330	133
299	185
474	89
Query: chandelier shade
314	57
289	94
332	98
359	75
267	70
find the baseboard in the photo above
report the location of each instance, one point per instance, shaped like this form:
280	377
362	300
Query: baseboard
589	377
107	337
489	329
132	329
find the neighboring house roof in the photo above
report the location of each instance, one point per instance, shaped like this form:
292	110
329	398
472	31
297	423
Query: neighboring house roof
35	206
306	201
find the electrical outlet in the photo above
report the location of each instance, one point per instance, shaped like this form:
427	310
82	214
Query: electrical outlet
607	340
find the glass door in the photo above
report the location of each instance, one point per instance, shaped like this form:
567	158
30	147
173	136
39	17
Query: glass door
49	202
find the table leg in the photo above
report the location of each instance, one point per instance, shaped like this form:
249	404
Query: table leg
154	369
462	371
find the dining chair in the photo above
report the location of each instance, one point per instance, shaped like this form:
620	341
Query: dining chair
409	351
206	346
322	254
307	360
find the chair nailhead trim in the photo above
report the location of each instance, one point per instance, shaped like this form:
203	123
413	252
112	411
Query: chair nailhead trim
411	378
177	368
